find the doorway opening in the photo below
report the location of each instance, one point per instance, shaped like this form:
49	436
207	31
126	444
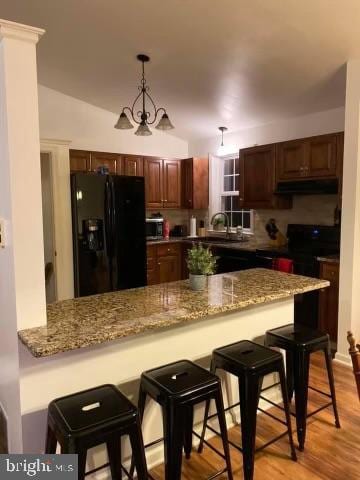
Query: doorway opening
48	227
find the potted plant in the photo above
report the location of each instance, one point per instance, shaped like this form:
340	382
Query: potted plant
218	224
201	263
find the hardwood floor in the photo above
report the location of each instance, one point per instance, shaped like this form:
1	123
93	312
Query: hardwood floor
330	453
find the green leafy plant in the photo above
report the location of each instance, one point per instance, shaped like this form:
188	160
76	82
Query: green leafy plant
200	260
218	221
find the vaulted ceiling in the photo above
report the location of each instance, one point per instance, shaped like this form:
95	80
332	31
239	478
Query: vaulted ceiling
237	63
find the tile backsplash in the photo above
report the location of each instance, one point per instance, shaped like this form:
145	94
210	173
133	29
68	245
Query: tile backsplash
307	209
180	217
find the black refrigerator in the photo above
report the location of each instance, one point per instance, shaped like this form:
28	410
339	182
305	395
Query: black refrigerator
108	218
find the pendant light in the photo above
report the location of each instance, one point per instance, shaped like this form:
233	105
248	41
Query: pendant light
221	150
148	115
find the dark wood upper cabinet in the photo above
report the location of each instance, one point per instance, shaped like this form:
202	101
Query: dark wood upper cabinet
322	160
153	170
257	179
195	183
132	165
329	300
162	183
309	158
291	160
102	159
79	161
172	184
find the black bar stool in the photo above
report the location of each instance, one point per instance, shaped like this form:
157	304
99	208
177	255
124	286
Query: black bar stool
250	362
178	387
92	417
299	342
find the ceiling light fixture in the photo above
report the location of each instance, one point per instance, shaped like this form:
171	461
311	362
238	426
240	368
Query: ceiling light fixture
222	130
143	117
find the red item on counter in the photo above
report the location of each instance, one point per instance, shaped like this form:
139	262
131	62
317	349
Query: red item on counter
166	229
283	265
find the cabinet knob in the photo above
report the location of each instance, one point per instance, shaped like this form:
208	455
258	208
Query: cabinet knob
159	263
165	200
241	199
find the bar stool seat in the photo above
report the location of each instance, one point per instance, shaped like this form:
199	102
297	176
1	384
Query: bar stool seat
178	387
89	418
250	362
299	342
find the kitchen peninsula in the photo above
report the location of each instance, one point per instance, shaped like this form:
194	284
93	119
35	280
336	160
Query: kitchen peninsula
114	337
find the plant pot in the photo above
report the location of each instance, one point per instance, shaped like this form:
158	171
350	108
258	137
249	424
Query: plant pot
197	282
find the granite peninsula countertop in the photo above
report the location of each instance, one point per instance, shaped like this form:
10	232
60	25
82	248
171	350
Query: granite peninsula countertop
81	322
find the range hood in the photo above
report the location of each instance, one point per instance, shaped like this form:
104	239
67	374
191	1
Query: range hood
308	187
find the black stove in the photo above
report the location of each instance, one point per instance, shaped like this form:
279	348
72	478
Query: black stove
305	244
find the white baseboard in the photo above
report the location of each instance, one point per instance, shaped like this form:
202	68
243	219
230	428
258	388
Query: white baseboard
343	359
155	455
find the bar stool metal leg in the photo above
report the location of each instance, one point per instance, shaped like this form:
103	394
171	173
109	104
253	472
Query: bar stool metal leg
301	382
249	393
287	410
173	441
51	442
330	373
290	374
188	429
114	454
81	464
223	430
138	451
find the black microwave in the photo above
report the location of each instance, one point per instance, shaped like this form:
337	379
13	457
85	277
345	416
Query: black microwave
154	228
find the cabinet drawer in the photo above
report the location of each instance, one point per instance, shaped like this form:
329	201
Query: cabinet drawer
168	249
151	257
330	271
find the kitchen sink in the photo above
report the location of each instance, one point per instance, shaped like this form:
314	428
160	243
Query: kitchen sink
218	240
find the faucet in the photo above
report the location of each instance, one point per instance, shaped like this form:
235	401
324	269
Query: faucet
226	216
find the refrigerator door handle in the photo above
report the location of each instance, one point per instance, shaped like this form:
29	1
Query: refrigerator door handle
108	219
113	211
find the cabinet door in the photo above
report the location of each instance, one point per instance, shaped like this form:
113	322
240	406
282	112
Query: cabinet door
291	160
153	168
152	276
132	165
321	156
79	161
101	159
169	268
187	183
329	300
257	182
200	183
172	184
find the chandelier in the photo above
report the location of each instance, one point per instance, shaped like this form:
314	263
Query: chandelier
139	111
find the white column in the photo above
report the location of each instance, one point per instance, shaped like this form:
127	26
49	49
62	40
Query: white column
22	285
20	180
349	308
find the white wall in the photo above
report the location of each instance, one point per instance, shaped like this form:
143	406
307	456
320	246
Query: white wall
349	298
298	127
92	128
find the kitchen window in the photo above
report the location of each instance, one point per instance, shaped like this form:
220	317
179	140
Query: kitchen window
230	202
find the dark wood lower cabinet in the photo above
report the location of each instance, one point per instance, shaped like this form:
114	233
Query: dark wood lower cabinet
164	263
329	300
